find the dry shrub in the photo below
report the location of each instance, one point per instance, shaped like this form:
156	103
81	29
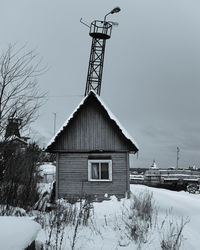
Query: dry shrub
137	219
171	232
64	219
6	210
143	205
139	225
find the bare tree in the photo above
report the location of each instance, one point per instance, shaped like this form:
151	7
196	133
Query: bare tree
19	91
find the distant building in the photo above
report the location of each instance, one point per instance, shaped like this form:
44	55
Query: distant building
13	141
13	133
47	173
154	166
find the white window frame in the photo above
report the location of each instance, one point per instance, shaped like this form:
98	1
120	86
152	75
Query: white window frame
100	161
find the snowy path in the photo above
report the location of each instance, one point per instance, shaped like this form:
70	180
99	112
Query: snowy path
183	204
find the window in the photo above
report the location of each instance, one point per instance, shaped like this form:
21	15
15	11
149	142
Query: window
99	170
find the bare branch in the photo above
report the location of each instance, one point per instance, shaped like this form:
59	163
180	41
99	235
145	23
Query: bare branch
19	90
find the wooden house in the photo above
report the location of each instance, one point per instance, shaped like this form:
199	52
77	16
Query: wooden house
92	152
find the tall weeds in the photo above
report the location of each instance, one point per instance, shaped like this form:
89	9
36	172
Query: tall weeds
63	223
171	232
137	219
139	225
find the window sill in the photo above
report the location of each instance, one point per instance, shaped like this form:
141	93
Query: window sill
99	180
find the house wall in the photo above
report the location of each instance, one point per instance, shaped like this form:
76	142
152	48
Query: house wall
91	129
73	175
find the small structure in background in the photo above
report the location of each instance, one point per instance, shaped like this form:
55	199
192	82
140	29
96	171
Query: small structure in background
47	172
13	133
13	142
154	166
12	128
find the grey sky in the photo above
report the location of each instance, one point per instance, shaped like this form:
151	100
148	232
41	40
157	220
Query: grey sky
151	72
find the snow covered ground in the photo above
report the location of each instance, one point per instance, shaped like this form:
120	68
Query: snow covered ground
108	229
17	233
182	204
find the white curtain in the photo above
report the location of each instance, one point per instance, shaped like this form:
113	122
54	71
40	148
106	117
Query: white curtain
95	170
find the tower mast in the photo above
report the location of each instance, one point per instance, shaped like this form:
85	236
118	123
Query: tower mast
100	31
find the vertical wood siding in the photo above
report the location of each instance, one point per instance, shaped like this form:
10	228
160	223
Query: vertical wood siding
73	176
57	174
91	129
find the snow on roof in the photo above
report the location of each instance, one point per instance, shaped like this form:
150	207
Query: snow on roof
17	233
111	115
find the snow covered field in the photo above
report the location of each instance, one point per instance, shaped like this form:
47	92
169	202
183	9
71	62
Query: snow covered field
183	204
108	229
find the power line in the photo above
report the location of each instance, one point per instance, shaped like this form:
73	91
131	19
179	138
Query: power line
58	96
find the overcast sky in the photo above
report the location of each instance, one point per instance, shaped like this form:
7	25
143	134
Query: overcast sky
151	78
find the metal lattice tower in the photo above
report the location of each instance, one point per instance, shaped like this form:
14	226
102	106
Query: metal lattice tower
100	31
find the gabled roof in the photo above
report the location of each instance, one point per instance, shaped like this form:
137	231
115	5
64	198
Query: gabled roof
16	138
110	114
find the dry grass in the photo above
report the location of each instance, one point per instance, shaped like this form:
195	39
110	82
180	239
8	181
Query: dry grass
64	222
171	232
137	220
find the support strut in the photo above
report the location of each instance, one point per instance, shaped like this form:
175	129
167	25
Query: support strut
95	69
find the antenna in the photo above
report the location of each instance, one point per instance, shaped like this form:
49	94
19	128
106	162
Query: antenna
54	124
100	31
84	23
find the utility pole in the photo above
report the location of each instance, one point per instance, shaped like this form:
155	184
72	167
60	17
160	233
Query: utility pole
177	156
54	124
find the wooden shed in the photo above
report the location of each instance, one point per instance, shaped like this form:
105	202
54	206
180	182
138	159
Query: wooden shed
92	151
